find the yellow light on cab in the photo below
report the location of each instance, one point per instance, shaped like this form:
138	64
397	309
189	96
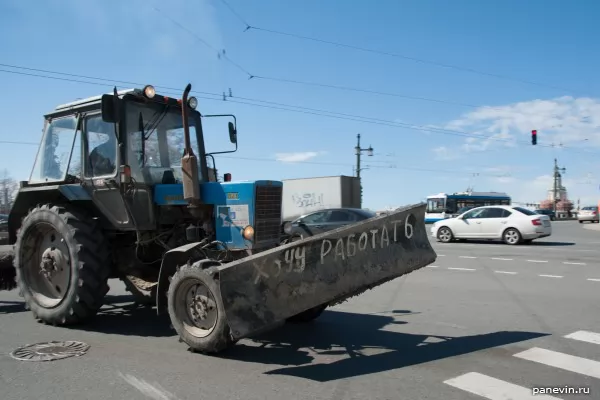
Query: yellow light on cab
149	91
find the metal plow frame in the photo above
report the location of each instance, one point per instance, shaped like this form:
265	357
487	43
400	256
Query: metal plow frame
261	290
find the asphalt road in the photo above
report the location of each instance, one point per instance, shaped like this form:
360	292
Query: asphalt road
484	318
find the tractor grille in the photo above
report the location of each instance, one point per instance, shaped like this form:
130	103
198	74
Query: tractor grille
267	218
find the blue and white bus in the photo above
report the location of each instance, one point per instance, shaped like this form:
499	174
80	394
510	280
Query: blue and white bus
441	206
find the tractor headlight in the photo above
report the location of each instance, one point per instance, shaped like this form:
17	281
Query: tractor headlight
149	91
248	233
287	227
193	103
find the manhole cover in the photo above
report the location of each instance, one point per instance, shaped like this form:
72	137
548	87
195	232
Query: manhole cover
50	351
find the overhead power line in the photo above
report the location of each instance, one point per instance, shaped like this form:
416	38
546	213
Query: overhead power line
271	105
222	55
262	159
390	54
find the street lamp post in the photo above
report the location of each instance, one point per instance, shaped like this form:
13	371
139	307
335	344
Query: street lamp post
359	152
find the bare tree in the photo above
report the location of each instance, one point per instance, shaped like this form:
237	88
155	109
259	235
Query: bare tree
8	187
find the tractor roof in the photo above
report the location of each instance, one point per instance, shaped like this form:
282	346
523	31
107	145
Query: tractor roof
68	108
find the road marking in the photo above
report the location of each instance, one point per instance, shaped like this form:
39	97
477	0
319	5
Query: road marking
594	279
155	391
462	269
567	362
502	259
551	276
585	336
573	263
505	272
494	389
466	257
441	255
538	261
432	266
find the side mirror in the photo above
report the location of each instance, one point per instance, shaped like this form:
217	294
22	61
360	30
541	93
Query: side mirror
232	133
110	108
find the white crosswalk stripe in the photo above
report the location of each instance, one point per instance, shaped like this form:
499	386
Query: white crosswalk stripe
492	388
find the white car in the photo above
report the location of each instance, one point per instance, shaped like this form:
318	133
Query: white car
513	225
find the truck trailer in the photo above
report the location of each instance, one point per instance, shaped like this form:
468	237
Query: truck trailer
304	195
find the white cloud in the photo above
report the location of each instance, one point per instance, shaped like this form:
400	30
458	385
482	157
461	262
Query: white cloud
297	157
567	121
443	153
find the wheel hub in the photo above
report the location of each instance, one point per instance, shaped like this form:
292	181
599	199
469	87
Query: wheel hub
52	262
198	309
47	268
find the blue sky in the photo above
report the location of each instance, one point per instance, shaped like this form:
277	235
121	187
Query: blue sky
147	41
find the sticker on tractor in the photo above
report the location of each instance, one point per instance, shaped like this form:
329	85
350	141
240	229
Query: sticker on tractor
236	215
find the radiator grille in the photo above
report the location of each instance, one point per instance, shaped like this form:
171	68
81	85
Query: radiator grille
267	218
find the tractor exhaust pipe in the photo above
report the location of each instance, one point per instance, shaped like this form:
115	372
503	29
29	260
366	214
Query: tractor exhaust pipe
189	162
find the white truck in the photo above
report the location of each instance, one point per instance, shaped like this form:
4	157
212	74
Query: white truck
304	195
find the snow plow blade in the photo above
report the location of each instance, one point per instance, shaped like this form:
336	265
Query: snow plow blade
262	290
7	270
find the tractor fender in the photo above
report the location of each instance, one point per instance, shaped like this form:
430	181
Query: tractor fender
30	196
171	260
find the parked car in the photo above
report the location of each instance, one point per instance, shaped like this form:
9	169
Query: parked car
589	214
325	220
513	225
547	212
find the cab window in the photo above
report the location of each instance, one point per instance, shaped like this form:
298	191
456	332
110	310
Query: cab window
54	155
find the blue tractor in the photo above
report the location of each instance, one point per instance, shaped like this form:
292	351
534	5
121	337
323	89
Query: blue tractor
121	188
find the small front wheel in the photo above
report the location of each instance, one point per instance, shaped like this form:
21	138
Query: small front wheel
444	234
512	236
196	310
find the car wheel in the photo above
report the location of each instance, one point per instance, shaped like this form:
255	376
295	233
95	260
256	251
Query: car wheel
512	236
444	234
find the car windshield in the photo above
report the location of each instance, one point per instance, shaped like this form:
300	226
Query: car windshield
590	208
162	144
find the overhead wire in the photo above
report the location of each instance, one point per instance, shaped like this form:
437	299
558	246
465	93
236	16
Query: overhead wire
222	54
250	27
277	106
347	88
416	169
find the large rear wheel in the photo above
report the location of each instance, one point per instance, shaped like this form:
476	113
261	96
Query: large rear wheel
62	264
196	309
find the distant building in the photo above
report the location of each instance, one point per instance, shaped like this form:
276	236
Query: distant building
564	206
